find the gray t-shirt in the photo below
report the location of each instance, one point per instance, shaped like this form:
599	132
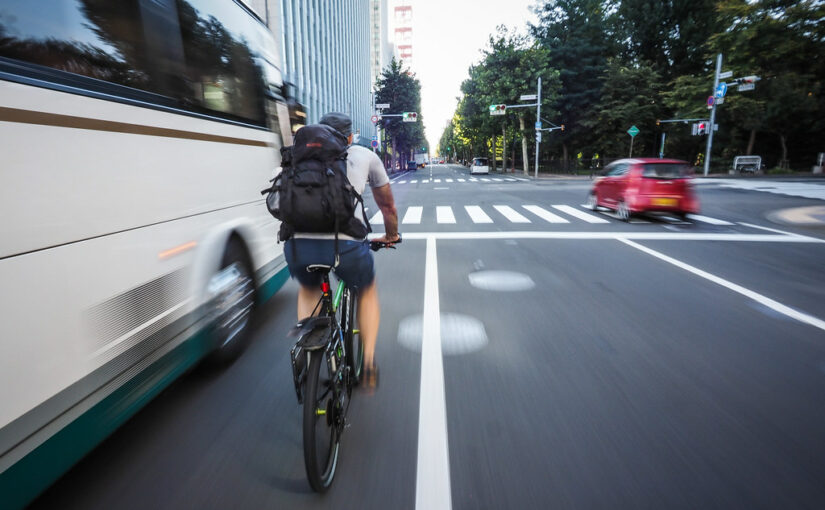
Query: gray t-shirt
363	166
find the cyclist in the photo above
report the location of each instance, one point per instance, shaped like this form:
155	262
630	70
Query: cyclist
356	263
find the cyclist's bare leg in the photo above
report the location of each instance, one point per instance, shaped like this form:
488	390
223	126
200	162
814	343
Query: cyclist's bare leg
369	317
307	299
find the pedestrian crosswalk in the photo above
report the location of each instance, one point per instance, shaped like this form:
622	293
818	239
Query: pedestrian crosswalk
456	180
554	214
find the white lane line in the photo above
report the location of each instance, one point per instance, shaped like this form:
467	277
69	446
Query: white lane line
461	180
511	179
377	219
425	181
498	180
759	227
473	179
402	182
596	236
477	215
413	215
444	214
759	298
414	181
707	219
449	180
572	211
485	180
511	214
545	215
432	481
437	180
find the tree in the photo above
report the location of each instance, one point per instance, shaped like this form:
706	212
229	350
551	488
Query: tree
402	91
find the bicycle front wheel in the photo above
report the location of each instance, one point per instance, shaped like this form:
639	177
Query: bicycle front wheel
321	414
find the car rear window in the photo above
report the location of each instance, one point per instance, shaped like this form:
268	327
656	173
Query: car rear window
480	162
665	171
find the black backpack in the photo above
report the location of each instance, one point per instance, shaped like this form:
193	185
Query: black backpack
312	193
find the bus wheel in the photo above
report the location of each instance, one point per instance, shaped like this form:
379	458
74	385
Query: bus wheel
232	303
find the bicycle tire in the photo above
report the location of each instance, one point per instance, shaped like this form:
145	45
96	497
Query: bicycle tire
319	429
353	345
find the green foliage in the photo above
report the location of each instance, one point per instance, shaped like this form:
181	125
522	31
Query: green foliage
402	91
610	64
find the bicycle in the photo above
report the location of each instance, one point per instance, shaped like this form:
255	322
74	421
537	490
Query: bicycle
327	339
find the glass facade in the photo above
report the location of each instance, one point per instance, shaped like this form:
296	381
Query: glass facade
326	54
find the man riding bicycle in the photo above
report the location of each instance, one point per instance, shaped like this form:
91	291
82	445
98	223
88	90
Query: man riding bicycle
355	264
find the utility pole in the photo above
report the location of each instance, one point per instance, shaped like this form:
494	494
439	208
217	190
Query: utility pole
712	113
538	130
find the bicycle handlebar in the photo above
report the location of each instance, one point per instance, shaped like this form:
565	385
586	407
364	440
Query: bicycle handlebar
377	245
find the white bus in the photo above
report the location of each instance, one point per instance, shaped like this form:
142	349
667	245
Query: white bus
135	136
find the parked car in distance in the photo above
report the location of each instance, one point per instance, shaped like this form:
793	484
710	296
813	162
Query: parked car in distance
641	185
480	166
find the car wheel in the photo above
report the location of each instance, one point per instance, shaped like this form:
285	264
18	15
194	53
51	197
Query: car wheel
622	211
592	203
232	303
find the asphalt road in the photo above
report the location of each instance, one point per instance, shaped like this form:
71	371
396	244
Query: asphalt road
656	364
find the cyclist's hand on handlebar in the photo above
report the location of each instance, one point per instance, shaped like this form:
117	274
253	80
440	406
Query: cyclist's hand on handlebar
385	242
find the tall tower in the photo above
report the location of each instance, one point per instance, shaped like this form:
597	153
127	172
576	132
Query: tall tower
403	33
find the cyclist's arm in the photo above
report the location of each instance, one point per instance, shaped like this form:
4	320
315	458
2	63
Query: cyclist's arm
386	202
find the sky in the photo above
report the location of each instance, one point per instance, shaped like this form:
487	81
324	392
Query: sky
448	36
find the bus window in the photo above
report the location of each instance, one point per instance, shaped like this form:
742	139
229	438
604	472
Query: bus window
221	66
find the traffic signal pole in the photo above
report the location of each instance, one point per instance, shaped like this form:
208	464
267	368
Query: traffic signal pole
712	113
538	132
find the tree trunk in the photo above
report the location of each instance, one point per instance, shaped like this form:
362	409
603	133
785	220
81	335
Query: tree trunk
751	141
494	151
564	155
784	163
394	158
503	148
524	155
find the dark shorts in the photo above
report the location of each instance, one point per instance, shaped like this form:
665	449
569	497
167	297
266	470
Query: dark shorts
355	266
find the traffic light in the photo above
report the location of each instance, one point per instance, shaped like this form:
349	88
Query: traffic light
658	122
409	117
562	128
702	128
497	109
423	149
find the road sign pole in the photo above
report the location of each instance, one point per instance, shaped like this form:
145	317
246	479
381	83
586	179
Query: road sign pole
375	124
662	147
538	118
631	146
713	113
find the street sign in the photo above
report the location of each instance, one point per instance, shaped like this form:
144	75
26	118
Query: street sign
375	144
633	131
382	106
375	119
711	100
746	86
720	100
498	109
527	97
538	136
721	89
726	74
538	125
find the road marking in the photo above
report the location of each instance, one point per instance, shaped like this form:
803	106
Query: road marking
477	215
544	214
425	181
449	180
485	180
769	229
437	180
759	298
512	180
444	214
497	180
473	179
441	187
414	181
707	219
402	182
572	211
461	180
511	214
413	215
432	482
596	236
377	218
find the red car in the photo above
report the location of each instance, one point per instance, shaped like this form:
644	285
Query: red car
639	185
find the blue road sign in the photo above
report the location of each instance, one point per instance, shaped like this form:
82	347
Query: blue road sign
538	125
375	144
721	89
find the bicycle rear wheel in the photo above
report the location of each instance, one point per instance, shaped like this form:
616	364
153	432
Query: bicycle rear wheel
321	415
352	340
